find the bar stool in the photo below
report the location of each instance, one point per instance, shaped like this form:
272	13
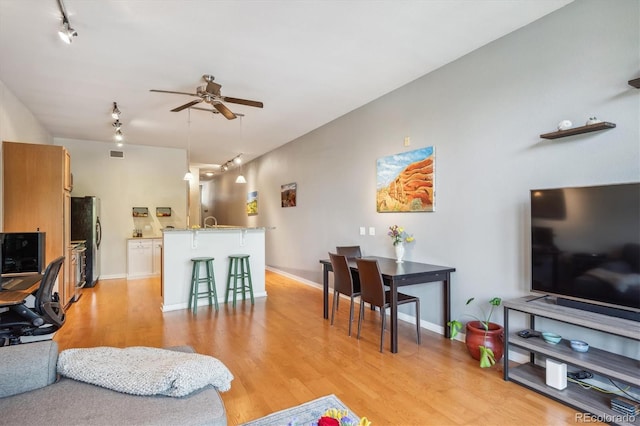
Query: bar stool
240	261
196	280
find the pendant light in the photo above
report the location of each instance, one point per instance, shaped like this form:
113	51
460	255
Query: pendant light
188	176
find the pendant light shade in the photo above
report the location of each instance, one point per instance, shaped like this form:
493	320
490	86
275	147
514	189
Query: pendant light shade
241	179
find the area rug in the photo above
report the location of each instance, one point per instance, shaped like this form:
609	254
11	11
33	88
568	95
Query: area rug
306	414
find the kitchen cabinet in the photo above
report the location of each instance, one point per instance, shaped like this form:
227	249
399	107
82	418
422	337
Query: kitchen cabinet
139	258
157	256
36	184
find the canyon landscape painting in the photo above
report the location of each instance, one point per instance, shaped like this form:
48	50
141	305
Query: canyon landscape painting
406	182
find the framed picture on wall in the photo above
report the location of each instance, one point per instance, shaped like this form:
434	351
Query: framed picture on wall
288	195
405	182
252	203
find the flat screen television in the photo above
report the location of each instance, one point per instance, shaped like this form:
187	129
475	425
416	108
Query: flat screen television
585	247
22	253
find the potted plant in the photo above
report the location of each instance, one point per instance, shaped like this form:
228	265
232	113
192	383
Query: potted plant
484	339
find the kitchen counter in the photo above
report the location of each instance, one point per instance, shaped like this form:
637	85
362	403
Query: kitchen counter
181	245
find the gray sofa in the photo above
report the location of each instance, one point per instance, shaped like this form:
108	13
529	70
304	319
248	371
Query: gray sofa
31	393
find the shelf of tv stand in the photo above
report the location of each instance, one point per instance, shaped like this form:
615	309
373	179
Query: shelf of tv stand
597	403
601	362
578	130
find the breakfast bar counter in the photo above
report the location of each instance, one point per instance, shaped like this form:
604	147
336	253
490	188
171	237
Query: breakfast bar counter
181	245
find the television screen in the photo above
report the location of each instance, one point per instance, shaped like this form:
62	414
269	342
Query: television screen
585	244
22	253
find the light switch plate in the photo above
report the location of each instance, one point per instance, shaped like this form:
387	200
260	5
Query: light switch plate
363	231
372	230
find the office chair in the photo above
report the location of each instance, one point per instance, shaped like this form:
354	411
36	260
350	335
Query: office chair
372	291
46	316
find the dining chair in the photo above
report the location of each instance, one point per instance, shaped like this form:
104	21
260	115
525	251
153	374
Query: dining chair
352	252
372	291
342	284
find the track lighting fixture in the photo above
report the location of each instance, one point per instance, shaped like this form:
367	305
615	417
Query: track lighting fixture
66	33
115	112
117	126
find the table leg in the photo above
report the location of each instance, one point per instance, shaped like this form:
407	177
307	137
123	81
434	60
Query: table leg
446	301
325	290
394	317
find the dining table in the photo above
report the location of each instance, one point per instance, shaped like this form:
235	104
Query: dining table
398	274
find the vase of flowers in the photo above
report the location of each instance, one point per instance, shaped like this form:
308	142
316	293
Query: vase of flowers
399	237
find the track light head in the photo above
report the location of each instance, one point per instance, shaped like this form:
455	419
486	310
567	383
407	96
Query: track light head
67	33
117	125
119	135
237	160
115	112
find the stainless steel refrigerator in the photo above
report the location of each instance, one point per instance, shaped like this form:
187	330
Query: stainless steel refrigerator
85	225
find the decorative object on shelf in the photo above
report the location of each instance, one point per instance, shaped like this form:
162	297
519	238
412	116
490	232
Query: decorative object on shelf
335	417
593	120
579	346
398	238
288	195
484	339
578	130
405	182
163	211
564	125
552	338
140	212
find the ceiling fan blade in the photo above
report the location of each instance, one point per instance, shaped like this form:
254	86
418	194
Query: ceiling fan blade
213	88
206	109
224	111
243	102
187	105
175	93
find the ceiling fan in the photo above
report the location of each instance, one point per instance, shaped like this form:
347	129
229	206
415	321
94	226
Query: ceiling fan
210	93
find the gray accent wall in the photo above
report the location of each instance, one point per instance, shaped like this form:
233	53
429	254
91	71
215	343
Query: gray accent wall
483	113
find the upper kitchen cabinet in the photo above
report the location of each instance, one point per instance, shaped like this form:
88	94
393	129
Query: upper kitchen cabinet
37	181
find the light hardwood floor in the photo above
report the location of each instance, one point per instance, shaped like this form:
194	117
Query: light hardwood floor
282	353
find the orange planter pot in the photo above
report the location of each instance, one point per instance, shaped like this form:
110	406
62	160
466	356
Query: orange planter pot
476	337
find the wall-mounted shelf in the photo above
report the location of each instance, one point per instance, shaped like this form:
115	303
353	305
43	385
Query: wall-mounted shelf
163	211
140	212
635	83
579	130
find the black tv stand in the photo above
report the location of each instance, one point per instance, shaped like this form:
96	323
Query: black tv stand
599	309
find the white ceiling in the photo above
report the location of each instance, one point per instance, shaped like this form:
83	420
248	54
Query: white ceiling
309	61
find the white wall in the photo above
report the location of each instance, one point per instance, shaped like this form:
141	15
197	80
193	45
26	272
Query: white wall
484	114
145	177
17	124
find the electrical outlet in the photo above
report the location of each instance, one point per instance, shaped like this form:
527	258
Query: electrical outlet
363	231
372	230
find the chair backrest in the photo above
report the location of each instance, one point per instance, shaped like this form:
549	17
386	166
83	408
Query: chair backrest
352	252
342	280
47	303
371	283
